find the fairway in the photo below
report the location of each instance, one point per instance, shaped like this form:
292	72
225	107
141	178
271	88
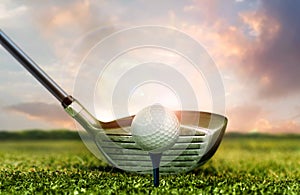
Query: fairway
242	165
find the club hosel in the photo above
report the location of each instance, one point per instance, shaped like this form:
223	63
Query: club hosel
82	116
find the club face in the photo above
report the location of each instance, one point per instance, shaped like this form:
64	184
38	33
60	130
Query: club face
200	135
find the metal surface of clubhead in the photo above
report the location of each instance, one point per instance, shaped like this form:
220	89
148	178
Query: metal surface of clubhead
195	145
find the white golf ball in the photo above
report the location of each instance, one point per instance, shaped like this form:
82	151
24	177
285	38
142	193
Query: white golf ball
155	128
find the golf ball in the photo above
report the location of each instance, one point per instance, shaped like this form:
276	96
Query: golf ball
155	128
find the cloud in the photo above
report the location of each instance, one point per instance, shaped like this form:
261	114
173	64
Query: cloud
253	118
9	13
63	18
286	126
297	115
243	118
50	113
62	23
261	45
273	60
259	49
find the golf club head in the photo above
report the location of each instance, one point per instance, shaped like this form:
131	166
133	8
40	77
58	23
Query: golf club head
200	136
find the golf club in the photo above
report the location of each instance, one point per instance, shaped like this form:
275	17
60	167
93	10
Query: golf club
195	145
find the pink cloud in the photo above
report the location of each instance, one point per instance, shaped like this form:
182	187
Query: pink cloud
50	113
252	118
287	126
243	118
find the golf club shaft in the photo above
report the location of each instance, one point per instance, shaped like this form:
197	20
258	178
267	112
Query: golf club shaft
35	70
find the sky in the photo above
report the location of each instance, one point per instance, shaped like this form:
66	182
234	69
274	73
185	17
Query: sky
255	45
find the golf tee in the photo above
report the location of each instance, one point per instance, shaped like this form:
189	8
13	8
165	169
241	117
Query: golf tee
155	158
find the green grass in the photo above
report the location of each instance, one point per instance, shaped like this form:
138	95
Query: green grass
242	165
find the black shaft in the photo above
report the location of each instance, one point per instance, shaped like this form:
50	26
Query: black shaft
155	158
35	70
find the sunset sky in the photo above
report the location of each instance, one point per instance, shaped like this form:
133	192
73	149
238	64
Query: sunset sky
255	44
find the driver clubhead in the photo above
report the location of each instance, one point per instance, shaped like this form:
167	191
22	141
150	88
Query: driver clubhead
195	145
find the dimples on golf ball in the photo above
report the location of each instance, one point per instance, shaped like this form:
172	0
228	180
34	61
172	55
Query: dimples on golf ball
155	128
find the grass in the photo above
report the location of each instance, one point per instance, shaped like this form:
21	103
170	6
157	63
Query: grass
242	165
